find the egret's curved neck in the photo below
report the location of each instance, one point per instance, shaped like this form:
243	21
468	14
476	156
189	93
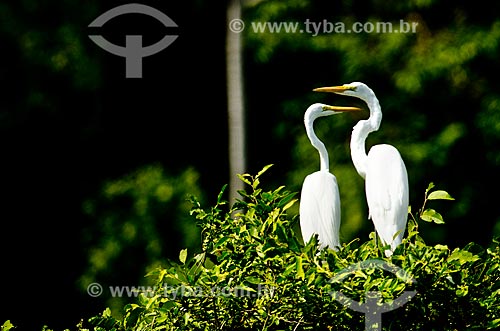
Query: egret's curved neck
361	131
318	144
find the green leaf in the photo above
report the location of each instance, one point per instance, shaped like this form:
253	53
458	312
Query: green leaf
183	256
285	200
290	204
133	312
244	179
219	197
243	290
462	256
279	189
298	267
494	324
253	280
430	215
462	290
441	247
293	244
440	195
221	241
266	196
263	170
430	187
7	325
187	318
209	264
288	270
281	233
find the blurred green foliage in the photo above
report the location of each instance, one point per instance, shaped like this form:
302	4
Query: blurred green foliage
138	222
55	48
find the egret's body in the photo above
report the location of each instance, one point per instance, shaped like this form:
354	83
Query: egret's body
320	209
319	200
386	179
386	186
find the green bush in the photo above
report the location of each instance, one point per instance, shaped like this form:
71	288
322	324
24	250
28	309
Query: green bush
254	274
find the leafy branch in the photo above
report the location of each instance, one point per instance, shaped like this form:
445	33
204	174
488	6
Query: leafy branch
429	214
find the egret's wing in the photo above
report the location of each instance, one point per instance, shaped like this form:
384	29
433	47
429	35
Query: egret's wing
320	208
387	193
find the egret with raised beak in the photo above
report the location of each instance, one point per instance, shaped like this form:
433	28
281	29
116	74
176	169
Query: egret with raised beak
386	178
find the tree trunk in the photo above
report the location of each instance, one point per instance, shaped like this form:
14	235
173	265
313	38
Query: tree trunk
236	116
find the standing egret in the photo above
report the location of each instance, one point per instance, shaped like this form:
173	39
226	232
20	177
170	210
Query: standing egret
386	179
319	200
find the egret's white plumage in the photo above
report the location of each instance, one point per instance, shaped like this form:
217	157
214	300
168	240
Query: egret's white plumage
320	209
386	188
386	179
319	199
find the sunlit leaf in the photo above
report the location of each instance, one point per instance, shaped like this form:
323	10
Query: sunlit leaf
439	195
430	187
263	170
244	179
462	256
183	256
219	197
7	325
298	267
430	215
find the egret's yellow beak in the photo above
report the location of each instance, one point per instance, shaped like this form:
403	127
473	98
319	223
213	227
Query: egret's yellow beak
339	109
333	89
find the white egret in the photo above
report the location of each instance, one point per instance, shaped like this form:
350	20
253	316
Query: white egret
386	179
319	200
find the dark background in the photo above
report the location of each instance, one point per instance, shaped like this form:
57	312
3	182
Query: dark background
82	130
